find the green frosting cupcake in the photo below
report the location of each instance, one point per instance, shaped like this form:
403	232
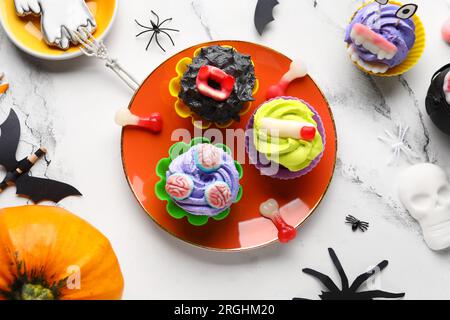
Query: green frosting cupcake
293	154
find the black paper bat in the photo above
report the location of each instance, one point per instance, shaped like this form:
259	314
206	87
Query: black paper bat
347	291
17	172
264	14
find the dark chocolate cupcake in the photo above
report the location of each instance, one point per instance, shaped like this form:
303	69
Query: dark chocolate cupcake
218	84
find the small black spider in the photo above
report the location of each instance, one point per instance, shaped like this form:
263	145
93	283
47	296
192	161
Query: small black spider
349	292
156	29
356	223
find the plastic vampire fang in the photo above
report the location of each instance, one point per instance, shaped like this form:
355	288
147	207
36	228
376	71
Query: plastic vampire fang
270	210
153	123
208	76
350	292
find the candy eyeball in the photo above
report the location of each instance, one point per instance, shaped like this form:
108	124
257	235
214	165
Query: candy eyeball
407	11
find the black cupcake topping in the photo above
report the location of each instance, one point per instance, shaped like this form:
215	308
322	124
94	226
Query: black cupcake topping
232	62
437	107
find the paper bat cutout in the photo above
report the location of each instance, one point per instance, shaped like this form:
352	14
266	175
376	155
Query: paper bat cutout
36	189
264	14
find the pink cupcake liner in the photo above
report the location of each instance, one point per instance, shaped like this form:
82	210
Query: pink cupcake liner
260	160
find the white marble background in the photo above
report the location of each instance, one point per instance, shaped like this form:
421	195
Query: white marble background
69	108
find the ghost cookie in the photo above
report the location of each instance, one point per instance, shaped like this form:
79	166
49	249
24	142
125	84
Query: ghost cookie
60	20
424	190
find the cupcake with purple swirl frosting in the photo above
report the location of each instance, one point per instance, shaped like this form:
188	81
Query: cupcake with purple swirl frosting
381	36
199	181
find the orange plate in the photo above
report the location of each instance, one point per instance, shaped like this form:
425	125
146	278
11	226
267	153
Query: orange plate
244	228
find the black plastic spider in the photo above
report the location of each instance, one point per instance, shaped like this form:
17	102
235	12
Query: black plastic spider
156	29
356	223
349	292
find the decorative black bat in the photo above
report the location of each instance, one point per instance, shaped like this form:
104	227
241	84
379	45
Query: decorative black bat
36	189
264	14
347	291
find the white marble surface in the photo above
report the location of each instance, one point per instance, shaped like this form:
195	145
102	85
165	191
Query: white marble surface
69	107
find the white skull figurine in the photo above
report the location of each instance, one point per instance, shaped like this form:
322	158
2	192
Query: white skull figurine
424	190
59	19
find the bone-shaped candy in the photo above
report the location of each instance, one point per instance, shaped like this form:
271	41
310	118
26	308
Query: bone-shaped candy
297	70
3	86
153	123
289	129
271	210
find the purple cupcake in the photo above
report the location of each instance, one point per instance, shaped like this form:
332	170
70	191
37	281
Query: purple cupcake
285	138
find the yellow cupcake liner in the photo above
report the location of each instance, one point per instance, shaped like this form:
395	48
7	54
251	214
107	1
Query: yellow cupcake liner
183	110
414	54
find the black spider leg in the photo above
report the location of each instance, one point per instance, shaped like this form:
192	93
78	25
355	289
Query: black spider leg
374	293
157	17
363	226
157	41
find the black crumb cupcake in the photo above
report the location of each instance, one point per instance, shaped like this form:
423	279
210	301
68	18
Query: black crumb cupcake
218	84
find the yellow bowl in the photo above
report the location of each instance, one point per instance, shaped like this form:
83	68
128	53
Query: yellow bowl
414	54
183	110
25	32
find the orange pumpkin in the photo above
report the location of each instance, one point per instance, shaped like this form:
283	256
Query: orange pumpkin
47	253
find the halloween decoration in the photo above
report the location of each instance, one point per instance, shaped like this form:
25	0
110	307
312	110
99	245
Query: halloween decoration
446	31
156	29
36	189
92	47
297	70
271	210
153	123
264	14
356	223
350	292
424	190
59	19
438	99
4	86
399	146
224	83
212	106
199	181
385	38
47	253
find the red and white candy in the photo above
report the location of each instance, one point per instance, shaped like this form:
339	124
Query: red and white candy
218	195
179	186
288	129
153	123
208	157
271	210
297	70
362	35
